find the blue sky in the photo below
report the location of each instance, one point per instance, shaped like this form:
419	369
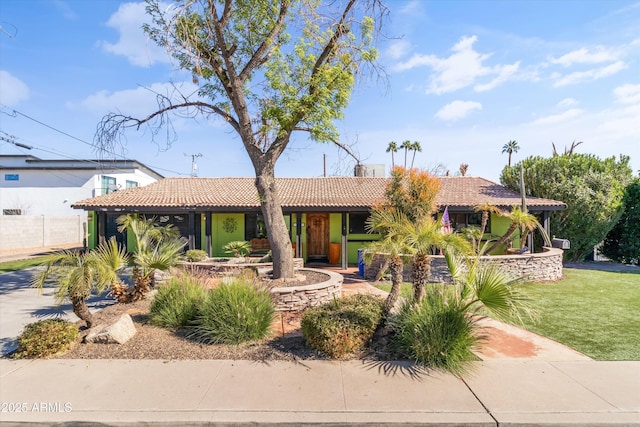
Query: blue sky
464	78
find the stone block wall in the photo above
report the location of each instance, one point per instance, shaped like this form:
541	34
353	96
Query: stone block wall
538	267
35	231
299	298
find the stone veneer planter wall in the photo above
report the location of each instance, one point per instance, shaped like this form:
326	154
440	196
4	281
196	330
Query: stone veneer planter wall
538	267
290	298
298	298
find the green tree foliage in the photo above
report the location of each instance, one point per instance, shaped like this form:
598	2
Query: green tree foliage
622	244
592	189
267	69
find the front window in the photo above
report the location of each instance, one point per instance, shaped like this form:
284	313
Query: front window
108	184
358	223
131	184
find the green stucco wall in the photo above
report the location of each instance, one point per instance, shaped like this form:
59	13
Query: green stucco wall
225	228
92	230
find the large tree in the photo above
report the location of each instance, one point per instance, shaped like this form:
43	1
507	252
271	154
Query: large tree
267	69
622	244
592	189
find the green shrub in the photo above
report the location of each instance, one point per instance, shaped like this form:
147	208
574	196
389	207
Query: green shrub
46	338
436	333
234	313
342	326
196	255
176	303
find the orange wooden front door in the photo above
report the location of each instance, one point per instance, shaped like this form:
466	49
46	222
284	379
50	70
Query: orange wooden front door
317	236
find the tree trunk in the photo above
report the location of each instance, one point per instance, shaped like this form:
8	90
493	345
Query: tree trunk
503	239
279	239
395	268
82	311
421	273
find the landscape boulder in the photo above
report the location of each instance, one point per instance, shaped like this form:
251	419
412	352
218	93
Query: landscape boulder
117	333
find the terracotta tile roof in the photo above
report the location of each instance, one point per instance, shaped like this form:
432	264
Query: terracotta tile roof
300	193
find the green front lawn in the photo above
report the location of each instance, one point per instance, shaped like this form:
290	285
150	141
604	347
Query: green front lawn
594	312
6	267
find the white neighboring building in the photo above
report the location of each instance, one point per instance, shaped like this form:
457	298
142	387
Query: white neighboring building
32	186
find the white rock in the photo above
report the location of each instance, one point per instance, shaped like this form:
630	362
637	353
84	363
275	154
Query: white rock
117	333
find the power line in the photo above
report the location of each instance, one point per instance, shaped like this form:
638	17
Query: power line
16	112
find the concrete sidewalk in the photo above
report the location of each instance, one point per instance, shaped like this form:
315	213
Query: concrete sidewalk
226	392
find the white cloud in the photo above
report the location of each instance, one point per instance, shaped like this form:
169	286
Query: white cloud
457	110
504	74
413	7
567	102
137	102
627	94
12	89
132	42
589	75
461	69
555	119
66	11
584	56
398	48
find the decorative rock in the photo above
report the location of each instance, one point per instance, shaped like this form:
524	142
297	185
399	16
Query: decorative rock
117	333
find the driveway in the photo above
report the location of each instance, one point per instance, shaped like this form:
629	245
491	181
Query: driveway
21	304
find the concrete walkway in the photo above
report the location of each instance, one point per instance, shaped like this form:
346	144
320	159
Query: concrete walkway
238	393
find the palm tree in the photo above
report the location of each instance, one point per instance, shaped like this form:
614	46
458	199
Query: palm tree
406	145
157	248
510	148
520	220
487	209
114	258
392	247
76	276
485	287
415	146
392	148
420	239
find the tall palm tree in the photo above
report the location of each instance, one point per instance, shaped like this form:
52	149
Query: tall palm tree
415	147
76	276
510	148
406	145
392	148
520	220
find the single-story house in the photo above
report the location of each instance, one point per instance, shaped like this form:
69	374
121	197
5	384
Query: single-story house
323	214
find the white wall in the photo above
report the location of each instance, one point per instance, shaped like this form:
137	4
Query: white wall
52	192
20	231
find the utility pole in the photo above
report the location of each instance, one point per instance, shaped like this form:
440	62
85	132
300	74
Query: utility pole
194	163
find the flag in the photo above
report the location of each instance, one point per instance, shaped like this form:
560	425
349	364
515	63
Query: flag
446	223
